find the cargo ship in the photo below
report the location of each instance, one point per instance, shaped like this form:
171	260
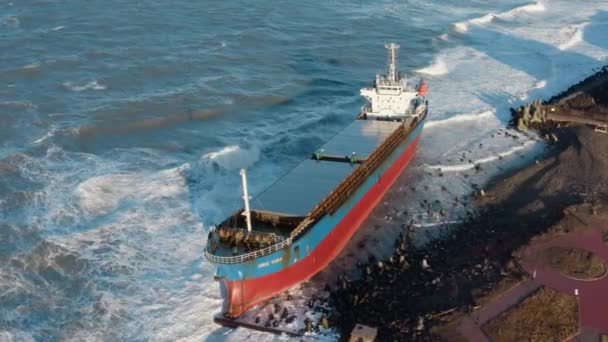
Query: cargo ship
297	226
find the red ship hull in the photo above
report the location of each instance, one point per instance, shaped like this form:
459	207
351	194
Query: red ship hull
245	294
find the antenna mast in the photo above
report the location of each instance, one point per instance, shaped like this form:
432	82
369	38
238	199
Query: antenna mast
247	212
392	61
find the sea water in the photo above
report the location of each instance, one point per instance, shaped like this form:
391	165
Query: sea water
123	125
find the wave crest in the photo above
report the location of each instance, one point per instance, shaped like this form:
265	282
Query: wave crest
102	194
573	35
93	85
439	67
472	165
463	26
233	157
460	118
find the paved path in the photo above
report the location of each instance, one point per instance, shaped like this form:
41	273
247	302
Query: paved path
471	330
592	294
507	300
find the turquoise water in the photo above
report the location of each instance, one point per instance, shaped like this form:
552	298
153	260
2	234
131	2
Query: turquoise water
123	125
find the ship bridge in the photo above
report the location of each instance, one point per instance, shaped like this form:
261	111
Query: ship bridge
389	96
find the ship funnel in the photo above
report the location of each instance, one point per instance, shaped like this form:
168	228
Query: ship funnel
392	61
247	212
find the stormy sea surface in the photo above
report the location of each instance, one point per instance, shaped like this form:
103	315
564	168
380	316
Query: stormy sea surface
123	125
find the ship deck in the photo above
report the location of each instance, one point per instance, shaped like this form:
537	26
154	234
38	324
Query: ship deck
300	190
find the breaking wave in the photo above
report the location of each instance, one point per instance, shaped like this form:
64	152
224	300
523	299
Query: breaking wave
463	26
46	136
540	84
475	163
232	157
460	118
93	85
32	66
436	224
102	194
16	104
439	67
573	35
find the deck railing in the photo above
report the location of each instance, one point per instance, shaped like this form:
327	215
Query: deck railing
274	236
237	259
349	185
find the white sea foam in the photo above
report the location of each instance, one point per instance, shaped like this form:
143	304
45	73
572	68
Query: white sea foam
480	161
439	67
17	104
460	118
93	85
463	26
540	84
436	224
10	21
101	194
160	211
573	35
57	28
22	336
233	157
537	6
46	136
32	66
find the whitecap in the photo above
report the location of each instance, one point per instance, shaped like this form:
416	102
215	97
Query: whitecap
102	194
57	28
233	157
572	36
439	67
435	224
48	134
10	21
93	85
463	26
540	84
32	66
460	118
537	6
16	335
17	104
480	161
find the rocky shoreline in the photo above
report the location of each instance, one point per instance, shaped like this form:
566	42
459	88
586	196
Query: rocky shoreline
420	290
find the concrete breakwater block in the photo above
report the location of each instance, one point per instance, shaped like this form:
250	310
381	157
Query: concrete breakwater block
363	333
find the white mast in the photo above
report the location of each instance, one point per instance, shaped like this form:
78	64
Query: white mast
392	61
247	212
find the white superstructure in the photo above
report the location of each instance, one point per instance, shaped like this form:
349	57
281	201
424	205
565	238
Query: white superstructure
390	98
